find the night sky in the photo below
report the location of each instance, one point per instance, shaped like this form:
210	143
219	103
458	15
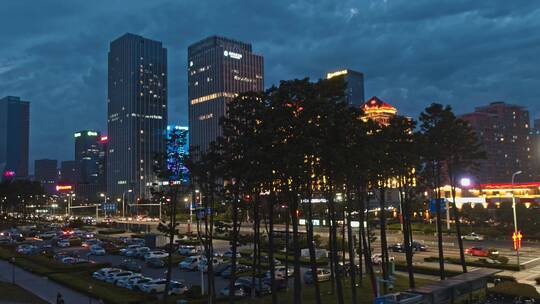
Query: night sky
462	53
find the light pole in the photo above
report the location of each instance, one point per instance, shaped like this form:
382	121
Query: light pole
103	206
514	211
124	202
13	270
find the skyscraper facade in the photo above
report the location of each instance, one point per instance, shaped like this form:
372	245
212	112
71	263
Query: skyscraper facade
137	113
354	91
218	69
87	150
14	136
46	173
535	143
504	132
68	172
177	151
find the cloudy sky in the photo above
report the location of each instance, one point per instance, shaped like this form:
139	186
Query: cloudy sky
457	52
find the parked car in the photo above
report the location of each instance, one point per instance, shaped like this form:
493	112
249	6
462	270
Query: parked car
239	269
135	283
156	254
129	248
26	249
266	260
322	275
229	254
91	242
47	235
177	288
142	251
130	265
238	291
97	250
104	272
63	243
473	237
122	281
187	250
154	286
203	264
118	276
136	241
221	268
376	259
280	272
256	284
155	263
190	263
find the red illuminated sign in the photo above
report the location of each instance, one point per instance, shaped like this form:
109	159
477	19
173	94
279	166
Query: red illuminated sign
9	173
104	138
64	187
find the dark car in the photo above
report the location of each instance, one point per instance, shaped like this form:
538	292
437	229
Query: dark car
398	247
221	268
281	284
155	263
260	287
417	246
130	265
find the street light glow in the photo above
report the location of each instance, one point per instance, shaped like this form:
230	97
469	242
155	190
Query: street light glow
465	182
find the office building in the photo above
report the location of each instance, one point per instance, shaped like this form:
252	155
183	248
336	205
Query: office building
137	113
504	132
218	69
46	173
535	143
68	172
354	90
14	137
87	150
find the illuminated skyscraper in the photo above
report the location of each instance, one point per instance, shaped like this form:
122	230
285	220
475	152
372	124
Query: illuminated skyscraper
87	150
137	113
14	137
354	92
177	150
218	69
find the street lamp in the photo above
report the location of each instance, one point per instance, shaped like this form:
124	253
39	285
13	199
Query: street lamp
124	202
514	211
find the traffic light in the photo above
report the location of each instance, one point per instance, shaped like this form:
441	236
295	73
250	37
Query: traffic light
516	237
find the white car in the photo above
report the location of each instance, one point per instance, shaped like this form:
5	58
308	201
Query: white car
122	282
281	272
154	286
97	250
187	250
142	251
112	278
190	263
136	283
177	288
376	258
129	248
156	255
472	237
47	235
104	272
203	264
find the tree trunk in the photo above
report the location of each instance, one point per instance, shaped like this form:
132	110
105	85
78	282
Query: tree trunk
235	231
332	248
439	222
367	249
457	219
352	264
287	220
271	202
172	232
332	211
406	234
311	246
296	252
384	244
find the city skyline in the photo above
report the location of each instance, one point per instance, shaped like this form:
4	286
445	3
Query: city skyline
63	72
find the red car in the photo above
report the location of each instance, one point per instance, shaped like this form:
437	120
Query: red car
480	252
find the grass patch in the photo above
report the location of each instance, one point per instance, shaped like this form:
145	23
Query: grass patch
81	282
13	293
424	269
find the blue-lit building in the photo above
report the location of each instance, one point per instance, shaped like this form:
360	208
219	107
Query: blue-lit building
177	150
137	114
14	137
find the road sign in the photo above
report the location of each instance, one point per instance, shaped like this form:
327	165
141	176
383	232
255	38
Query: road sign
516	237
433	205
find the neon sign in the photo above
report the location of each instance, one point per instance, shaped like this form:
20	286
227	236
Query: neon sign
64	187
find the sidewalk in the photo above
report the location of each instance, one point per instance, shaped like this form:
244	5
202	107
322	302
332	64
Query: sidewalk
41	286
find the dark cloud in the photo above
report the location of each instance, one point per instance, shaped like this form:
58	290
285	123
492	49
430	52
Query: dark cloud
460	52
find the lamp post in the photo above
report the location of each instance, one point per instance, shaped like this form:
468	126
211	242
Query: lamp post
13	270
124	202
514	211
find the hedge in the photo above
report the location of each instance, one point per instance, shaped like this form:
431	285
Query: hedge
478	263
423	269
513	289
